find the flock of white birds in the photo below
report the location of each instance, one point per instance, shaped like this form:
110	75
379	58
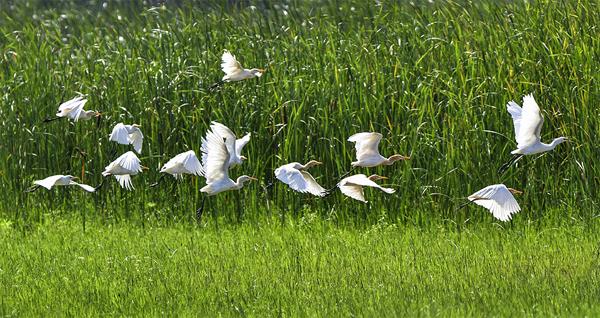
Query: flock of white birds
221	150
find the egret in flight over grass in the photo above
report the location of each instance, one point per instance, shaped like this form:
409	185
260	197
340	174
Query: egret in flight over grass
296	177
123	168
528	126
234	71
184	163
234	145
498	199
128	134
59	180
367	152
353	186
73	109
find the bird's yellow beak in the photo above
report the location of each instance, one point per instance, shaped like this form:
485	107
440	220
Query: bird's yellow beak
262	70
318	162
98	114
243	158
145	168
383	178
252	178
75	178
515	191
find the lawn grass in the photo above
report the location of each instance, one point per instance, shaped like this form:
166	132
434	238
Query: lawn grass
304	268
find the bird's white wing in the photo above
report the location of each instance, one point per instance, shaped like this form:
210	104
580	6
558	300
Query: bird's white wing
191	163
352	190
129	161
531	123
240	143
215	157
68	105
136	138
125	181
498	200
300	181
83	186
366	143
49	182
226	133
120	134
364	181
515	112
77	108
229	64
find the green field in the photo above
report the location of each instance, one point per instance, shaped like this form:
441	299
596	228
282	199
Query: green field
432	77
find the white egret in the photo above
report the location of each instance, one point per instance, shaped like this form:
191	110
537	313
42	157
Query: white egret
234	146
234	71
528	126
296	177
73	109
367	152
353	186
498	199
60	180
123	168
128	134
183	163
215	161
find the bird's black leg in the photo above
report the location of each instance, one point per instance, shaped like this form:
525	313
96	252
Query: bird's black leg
216	85
200	210
31	189
47	120
157	182
347	173
100	185
509	163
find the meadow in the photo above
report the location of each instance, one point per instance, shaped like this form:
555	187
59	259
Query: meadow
432	77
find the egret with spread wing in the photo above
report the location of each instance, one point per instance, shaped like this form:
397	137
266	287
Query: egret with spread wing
296	177
234	145
498	199
73	109
183	163
367	152
59	180
353	186
234	71
528	123
123	168
128	134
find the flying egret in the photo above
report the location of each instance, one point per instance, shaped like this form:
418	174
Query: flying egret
234	71
215	162
528	126
123	168
73	109
128	134
184	163
59	180
353	186
498	199
234	146
367	152
296	177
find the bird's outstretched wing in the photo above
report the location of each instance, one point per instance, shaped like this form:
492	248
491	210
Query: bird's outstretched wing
49	182
125	181
136	138
191	163
353	191
129	161
240	143
120	134
364	181
72	108
300	181
215	157
229	64
515	112
498	200
83	186
530	124
366	144
225	132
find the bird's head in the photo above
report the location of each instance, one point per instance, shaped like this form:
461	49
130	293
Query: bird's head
312	163
97	114
376	177
72	178
258	72
515	191
395	158
559	140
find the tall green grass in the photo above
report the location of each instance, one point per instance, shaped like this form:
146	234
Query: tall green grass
433	78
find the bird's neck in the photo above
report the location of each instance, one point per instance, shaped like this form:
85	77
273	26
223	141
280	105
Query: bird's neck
553	144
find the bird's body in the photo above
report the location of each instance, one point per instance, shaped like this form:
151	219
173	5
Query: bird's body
61	180
367	152
73	109
528	123
353	186
123	168
128	134
498	199
215	162
234	145
296	177
184	163
234	71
